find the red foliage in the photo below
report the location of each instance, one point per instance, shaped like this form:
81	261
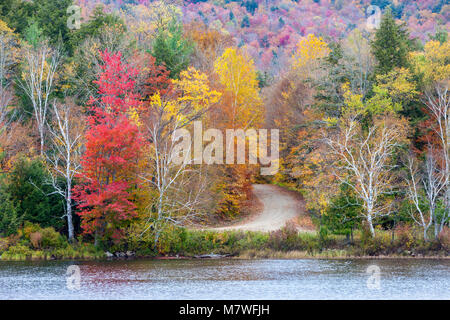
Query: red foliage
109	164
157	80
116	88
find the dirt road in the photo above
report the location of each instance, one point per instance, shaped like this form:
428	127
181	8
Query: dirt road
279	206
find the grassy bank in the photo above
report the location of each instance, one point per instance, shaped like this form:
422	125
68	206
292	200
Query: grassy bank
285	243
288	243
35	243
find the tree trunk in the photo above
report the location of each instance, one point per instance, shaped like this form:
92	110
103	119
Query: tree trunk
69	214
369	221
41	135
436	228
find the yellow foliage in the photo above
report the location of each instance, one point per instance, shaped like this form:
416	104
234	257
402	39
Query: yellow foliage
433	63
237	74
195	89
398	84
309	49
194	96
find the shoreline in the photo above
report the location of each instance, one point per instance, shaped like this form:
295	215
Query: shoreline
273	255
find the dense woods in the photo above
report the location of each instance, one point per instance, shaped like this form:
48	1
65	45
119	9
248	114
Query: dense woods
89	108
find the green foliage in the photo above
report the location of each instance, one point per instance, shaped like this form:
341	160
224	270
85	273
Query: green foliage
17	252
97	22
16	13
49	16
31	194
33	34
441	35
391	45
52	17
327	94
22	251
52	238
9	219
343	214
171	49
34	242
263	78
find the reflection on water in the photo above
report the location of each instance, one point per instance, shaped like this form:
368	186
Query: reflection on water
227	279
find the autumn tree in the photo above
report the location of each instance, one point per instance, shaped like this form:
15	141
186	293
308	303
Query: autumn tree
433	66
437	101
425	186
358	61
210	44
308	53
364	162
240	108
241	101
156	78
363	155
144	21
66	133
40	64
113	145
178	186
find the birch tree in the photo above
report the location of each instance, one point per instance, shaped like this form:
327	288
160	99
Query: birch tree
364	162
180	186
38	81
424	188
64	158
177	185
358	61
437	101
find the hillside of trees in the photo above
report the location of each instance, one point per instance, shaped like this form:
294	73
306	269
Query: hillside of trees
91	95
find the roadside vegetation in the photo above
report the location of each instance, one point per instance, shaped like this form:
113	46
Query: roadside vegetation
34	243
88	116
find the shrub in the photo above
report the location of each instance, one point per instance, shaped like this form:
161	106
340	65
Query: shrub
285	238
382	241
36	239
309	242
52	238
17	252
4	244
28	229
405	237
169	240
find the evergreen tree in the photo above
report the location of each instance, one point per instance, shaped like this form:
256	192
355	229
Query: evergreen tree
172	50
245	22
17	13
98	20
343	215
31	194
9	220
391	45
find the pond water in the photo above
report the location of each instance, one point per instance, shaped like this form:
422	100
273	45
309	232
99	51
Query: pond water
226	279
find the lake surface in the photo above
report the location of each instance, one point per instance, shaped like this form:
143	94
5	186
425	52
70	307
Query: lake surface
227	279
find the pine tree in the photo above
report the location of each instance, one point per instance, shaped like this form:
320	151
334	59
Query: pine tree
172	50
391	45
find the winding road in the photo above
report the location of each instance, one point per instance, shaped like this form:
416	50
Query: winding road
279	206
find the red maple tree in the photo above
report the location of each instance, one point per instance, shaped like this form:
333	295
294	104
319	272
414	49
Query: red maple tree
110	162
